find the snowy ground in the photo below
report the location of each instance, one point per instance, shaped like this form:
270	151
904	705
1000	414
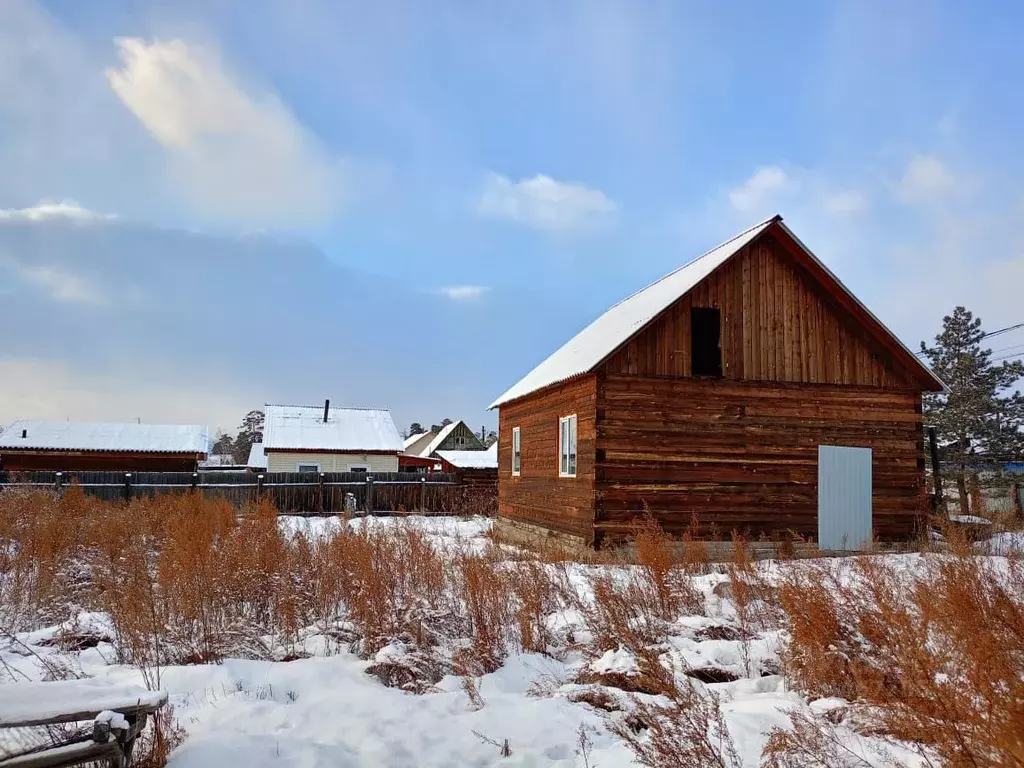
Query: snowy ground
326	711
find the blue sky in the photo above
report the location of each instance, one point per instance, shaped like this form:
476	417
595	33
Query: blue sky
414	203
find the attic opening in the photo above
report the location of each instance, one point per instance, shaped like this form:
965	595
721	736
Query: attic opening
706	341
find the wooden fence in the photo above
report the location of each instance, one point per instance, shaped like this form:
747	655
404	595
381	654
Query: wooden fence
290	492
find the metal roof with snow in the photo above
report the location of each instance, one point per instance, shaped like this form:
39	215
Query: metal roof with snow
114	437
257	459
487	459
303	428
439	438
414	444
414	439
591	346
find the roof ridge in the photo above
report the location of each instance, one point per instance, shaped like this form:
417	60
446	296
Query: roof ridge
103	421
332	408
737	236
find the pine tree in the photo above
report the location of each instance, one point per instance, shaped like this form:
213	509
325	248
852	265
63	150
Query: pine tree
415	429
979	420
438	427
223	445
250	431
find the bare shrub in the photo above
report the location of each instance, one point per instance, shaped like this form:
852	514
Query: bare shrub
490	610
536	591
936	657
812	743
688	731
162	736
695	558
670	585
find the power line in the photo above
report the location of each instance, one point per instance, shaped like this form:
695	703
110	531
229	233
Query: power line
1003	330
996	332
1006	357
1006	349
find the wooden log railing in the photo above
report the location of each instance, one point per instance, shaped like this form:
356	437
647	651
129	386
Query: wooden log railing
118	716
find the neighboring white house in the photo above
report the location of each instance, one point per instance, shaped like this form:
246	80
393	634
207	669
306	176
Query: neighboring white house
257	459
309	438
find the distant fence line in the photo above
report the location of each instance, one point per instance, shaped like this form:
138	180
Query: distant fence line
290	492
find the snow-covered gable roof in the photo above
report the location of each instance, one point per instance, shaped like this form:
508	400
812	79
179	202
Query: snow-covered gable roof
588	348
257	459
302	427
439	438
414	439
105	436
472	459
414	444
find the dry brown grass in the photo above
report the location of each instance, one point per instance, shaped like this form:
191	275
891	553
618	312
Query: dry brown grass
934	658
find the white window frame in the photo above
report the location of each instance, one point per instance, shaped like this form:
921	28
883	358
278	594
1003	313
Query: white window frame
358	467
307	464
568	454
517	452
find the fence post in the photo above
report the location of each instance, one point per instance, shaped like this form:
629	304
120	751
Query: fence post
259	487
320	492
369	494
127	486
59	482
195	480
423	494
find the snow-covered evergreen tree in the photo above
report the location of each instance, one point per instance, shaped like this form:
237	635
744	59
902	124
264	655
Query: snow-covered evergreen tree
979	420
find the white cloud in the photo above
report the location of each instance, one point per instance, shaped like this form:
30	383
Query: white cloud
965	245
759	188
545	203
62	285
236	154
792	190
926	179
46	210
463	292
845	202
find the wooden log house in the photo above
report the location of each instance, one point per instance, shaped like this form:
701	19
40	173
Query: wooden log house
707	396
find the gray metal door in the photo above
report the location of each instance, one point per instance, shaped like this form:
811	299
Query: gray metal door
844	497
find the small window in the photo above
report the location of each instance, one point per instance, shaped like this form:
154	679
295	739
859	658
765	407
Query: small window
358	468
567	446
308	468
516	451
706	341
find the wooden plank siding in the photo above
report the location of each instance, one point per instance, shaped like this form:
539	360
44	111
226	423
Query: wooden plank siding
538	495
743	455
778	324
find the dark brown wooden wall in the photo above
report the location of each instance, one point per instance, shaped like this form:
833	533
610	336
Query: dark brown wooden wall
743	455
101	461
539	496
777	325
